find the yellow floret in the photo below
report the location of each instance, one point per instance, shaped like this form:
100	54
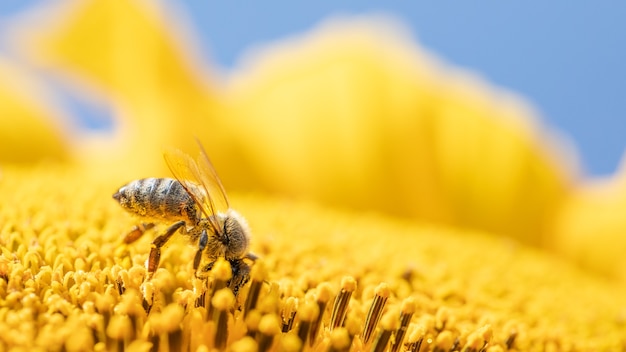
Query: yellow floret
64	269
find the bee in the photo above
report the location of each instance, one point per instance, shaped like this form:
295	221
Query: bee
196	202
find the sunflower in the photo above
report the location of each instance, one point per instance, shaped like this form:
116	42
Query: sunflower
395	203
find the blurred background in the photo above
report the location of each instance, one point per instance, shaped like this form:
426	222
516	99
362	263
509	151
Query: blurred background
566	58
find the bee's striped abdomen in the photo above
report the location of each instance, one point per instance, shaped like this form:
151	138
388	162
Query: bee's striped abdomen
161	198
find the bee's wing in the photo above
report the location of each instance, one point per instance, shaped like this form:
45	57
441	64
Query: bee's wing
211	182
199	180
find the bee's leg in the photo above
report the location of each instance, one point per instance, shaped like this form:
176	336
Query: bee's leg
241	275
204	239
251	256
155	250
137	232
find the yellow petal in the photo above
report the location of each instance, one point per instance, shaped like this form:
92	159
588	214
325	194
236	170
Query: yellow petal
355	114
30	129
591	228
126	52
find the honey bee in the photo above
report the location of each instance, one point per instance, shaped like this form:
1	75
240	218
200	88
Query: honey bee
197	204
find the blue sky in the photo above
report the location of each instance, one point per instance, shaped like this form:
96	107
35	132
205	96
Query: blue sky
568	58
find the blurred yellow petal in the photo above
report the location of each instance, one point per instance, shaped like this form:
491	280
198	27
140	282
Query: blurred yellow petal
591	228
128	52
30	130
355	114
352	114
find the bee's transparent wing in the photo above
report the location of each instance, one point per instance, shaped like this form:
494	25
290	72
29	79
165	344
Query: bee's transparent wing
199	180
211	181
